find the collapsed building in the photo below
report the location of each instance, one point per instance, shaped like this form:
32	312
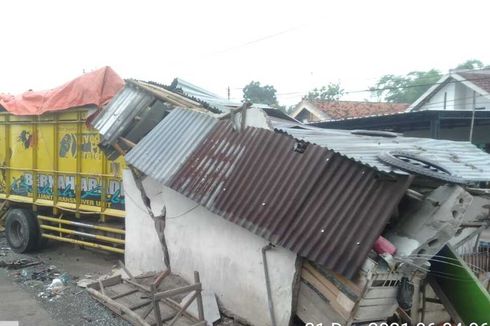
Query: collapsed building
284	220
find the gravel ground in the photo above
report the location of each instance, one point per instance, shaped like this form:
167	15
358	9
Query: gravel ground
73	306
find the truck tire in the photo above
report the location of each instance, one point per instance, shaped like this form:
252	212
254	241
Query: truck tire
21	230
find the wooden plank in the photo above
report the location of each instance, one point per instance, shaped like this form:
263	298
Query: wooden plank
126	270
175	305
147	311
101	287
200	308
184	289
377	302
139	286
374	313
109	302
160	278
312	308
184	308
123	294
337	300
156	306
380	292
322	282
146	275
343	284
140	304
107	282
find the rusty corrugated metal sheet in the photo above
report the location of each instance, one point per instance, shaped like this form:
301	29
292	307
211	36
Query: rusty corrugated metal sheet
318	204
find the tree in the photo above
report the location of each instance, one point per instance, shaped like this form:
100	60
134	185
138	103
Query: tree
405	89
332	92
471	64
408	88
255	93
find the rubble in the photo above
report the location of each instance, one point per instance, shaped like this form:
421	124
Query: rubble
72	304
410	194
18	264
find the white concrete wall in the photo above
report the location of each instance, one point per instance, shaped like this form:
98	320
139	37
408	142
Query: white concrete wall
227	256
436	102
459	97
480	101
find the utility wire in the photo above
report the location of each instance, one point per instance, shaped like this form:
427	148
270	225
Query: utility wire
391	88
397	88
266	37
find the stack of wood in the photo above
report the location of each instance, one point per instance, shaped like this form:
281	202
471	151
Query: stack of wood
327	297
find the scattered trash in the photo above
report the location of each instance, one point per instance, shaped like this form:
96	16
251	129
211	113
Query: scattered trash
65	278
84	282
25	273
18	264
34	283
56	287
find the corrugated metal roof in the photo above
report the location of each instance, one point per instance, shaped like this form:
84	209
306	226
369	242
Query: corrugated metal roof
214	100
461	158
202	95
119	113
162	152
318	204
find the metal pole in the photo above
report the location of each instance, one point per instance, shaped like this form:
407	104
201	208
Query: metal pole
268	284
473	117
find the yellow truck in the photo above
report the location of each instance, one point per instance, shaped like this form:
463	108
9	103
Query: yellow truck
58	184
60	178
55	181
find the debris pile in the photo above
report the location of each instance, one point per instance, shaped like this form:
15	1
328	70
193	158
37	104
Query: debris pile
373	220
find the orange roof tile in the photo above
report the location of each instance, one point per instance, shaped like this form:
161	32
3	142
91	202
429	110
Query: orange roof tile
353	109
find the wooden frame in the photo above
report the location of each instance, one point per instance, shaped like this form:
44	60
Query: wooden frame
134	300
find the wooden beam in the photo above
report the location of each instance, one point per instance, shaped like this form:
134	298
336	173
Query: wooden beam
121	264
120	307
127	142
173	292
184	308
200	308
160	278
139	286
120	295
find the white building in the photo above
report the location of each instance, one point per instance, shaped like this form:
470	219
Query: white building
459	90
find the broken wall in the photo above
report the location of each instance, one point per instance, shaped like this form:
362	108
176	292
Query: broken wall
227	256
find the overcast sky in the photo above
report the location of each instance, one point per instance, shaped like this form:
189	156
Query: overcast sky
292	45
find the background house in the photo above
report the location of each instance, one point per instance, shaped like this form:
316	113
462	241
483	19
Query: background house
460	90
312	111
444	111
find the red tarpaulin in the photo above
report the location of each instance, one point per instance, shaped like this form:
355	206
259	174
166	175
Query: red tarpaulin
93	88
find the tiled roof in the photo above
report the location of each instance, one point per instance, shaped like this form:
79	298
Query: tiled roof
480	78
352	109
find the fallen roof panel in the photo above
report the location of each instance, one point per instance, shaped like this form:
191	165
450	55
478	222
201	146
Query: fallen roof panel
313	201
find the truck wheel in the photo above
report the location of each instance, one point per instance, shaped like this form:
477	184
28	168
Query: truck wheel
21	230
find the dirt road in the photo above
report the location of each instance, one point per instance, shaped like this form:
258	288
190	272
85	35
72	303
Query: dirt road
25	295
